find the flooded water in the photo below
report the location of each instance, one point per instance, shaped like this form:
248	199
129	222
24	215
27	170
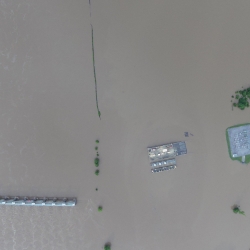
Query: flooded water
163	68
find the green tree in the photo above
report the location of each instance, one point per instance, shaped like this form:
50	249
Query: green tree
237	210
96	162
107	246
242	98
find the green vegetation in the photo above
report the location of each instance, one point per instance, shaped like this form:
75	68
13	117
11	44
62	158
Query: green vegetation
107	246
237	210
96	189
100	208
241	99
96	162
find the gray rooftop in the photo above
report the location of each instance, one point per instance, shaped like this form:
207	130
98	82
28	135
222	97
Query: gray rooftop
167	151
239	140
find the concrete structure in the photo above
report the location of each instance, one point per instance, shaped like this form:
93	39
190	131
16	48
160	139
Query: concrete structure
163	157
163	163
167	151
36	201
239	141
160	169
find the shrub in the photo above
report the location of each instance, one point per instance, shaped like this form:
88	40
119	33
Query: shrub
237	210
241	98
107	246
96	162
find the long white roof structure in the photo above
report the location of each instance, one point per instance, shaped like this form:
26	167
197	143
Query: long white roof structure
38	201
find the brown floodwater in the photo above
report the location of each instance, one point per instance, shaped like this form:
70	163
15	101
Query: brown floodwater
163	68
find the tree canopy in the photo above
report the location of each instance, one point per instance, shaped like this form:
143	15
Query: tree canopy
107	246
241	98
237	210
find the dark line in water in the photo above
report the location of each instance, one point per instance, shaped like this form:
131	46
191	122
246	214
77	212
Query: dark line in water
93	56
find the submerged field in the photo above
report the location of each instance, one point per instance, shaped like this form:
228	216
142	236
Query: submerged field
162	68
